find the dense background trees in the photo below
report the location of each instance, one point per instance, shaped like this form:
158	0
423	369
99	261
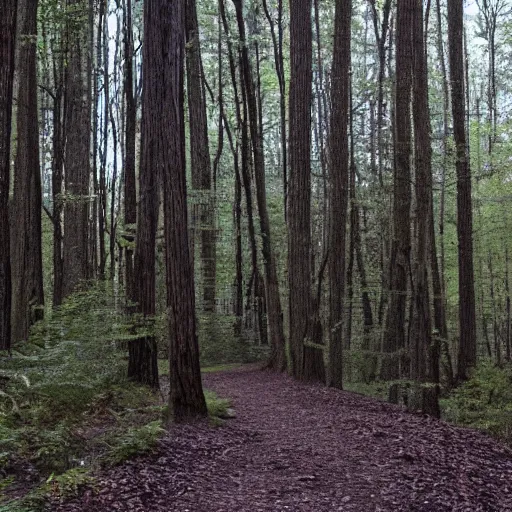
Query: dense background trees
333	224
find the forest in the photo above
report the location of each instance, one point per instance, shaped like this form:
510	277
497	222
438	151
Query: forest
254	255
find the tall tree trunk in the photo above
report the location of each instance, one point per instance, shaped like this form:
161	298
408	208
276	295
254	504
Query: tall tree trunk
299	186
437	276
273	301
77	148
164	111
130	197
339	171
394	334
26	250
467	321
445	146
113	185
242	167
8	12
279	66
57	179
102	216
200	162
424	355
143	362
381	38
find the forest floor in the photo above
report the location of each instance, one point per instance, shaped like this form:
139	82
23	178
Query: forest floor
303	447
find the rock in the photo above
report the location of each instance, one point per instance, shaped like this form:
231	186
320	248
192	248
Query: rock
229	414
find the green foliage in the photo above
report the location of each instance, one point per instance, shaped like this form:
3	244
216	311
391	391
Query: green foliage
132	442
220	368
56	487
218	344
484	402
217	407
66	387
69	483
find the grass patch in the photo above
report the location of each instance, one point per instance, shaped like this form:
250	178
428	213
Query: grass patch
377	389
217	407
163	367
221	368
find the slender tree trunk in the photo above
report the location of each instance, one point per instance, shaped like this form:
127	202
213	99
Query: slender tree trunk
200	162
113	188
273	300
339	171
445	150
8	12
467	322
495	329
102	218
26	250
57	179
381	38
507	302
279	66
130	197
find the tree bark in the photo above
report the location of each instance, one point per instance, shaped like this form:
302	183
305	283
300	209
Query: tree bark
200	162
143	363
277	43
394	335
8	13
424	355
130	197
26	249
277	359
77	148
166	21
467	321
339	172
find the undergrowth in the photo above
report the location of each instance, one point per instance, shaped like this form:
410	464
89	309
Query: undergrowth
483	402
66	407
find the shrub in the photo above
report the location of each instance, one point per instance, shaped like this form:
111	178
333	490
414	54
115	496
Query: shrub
483	402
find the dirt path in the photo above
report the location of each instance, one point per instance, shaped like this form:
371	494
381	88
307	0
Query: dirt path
298	447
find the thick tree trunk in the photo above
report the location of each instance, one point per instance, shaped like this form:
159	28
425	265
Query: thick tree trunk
166	21
8	12
467	321
299	186
339	172
26	250
394	335
143	362
424	360
77	149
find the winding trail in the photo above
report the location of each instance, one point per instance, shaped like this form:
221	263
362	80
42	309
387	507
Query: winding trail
302	447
